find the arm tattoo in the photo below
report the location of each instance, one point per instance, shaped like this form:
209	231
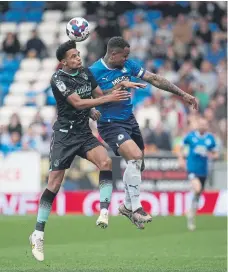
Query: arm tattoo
162	83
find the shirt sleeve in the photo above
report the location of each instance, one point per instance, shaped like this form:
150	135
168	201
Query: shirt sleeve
186	140
61	87
136	69
213	146
93	81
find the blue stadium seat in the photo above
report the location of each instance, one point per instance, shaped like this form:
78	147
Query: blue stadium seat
4	87
17	4
14	16
34	16
6	77
184	4
10	65
130	17
154	15
36	4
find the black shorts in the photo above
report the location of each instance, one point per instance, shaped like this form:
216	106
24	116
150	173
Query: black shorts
201	179
117	132
65	146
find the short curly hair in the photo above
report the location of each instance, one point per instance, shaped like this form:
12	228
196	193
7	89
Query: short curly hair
63	48
117	42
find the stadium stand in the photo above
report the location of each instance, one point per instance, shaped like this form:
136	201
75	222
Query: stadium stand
183	41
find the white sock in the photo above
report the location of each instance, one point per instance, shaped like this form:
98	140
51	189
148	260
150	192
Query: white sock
104	211
132	177
39	233
127	199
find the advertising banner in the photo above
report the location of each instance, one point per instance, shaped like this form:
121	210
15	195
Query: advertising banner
20	173
87	203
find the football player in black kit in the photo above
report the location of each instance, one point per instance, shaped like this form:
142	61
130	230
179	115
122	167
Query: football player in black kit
74	87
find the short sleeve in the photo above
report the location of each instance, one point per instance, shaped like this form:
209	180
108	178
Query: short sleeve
213	145
136	69
92	80
187	139
61	87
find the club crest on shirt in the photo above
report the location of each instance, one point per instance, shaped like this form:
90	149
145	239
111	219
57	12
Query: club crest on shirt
60	85
84	75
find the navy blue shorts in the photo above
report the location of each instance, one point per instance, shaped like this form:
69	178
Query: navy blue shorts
117	132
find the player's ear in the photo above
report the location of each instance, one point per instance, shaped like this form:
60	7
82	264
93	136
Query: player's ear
64	62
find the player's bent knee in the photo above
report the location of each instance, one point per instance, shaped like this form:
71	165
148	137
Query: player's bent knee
137	156
105	164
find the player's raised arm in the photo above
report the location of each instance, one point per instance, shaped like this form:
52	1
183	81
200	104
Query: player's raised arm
163	84
80	104
97	92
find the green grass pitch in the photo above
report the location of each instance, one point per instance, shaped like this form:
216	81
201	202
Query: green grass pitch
74	243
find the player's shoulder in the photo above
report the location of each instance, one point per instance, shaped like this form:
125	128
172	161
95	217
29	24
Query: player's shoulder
96	65
210	136
57	75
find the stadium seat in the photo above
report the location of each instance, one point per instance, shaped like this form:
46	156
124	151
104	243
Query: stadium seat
10	65
49	63
45	76
52	15
25	76
48	38
26	27
34	16
6	77
7	27
14	100
4	87
18	5
14	16
48	113
5	114
35	4
48	28
41	86
19	88
32	65
24	37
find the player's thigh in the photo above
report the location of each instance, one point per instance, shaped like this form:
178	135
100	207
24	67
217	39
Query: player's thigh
129	150
117	136
99	156
195	183
63	149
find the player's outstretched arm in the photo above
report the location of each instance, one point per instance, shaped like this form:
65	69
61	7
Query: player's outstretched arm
162	83
81	104
97	92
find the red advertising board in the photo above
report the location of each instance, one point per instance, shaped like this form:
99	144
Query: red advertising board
87	203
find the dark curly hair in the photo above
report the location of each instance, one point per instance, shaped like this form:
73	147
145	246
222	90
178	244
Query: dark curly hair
117	42
63	48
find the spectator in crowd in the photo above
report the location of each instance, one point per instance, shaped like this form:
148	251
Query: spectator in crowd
139	45
208	78
182	31
13	145
35	43
215	53
31	139
142	26
159	138
11	44
15	124
204	32
221	107
95	46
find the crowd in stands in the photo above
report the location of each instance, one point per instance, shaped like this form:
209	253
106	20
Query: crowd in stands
185	42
